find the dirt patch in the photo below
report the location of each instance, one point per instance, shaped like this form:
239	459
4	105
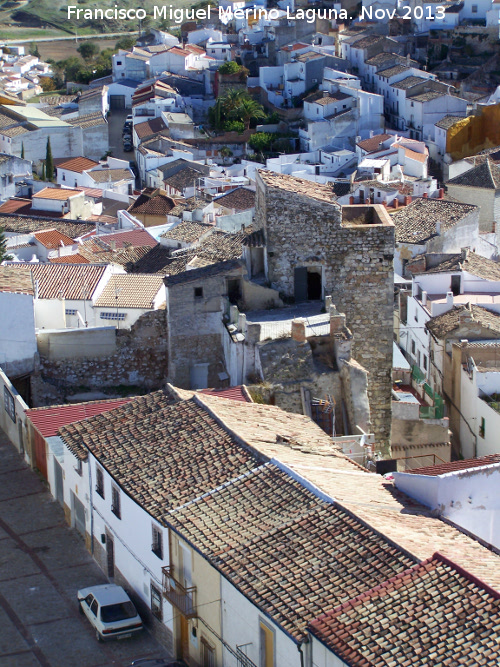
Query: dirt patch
60	50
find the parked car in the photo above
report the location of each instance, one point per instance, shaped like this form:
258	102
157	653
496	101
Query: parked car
110	611
128	146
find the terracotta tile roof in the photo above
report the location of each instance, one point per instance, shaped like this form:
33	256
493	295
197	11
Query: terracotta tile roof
26	224
322	192
184	178
413	155
322	98
373	143
428	96
17	205
309	565
416	222
150	127
15	280
125	257
392	71
469	261
410	525
240	199
443	325
111	175
93	193
15	131
77	164
156	260
409	82
184	276
130	290
70	259
151	202
49	420
163	454
67	281
134	237
188	232
61	194
369	40
53	239
239	393
485	176
432	614
456	466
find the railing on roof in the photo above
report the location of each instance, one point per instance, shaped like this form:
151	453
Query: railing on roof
183	598
417	374
435	411
424	460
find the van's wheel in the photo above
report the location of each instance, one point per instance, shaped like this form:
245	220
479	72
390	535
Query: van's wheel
98	636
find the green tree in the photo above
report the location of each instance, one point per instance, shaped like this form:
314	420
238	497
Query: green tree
260	141
229	67
247	110
126	42
47	83
3	247
49	162
34	50
88	50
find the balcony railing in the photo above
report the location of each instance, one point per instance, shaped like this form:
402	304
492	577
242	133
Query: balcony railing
183	599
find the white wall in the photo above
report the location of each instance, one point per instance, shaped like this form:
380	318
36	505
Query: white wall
240	623
14	430
323	657
17	333
474	409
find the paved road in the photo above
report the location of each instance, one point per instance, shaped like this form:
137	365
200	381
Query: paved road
82	38
116	120
42	565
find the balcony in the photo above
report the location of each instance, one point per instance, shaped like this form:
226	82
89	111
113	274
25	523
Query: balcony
183	599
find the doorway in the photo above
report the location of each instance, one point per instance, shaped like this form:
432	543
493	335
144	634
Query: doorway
110	555
58	483
308	285
78	514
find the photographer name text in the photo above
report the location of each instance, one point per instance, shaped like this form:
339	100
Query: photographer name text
180	15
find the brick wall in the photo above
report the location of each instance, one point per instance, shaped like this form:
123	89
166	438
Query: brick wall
354	248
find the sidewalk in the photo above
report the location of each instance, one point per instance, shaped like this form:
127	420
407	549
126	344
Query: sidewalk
42	565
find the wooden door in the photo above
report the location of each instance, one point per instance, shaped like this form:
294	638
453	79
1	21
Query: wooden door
40	454
184	638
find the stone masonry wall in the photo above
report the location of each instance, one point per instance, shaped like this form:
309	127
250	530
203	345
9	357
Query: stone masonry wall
140	360
357	261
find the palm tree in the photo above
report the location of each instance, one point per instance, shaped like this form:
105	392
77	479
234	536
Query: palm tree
232	99
248	109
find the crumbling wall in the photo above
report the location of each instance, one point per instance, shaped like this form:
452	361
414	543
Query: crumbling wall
140	361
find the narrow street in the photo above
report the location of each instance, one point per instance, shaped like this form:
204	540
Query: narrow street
42	565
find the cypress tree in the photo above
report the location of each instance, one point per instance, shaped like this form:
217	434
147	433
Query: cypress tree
49	162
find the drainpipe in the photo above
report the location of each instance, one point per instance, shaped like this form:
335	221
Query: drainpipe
299	649
91	507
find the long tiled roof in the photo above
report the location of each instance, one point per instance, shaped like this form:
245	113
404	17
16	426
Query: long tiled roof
184	178
456	466
432	614
443	325
88	120
26	224
152	204
70	259
15	280
111	175
485	176
77	164
131	237
373	143
61	194
150	127
416	222
469	261
448	121
163	455
157	260
67	281
130	290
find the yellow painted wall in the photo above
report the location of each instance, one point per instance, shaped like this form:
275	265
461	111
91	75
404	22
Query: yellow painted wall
475	133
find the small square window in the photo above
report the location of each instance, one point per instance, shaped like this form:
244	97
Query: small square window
474	9
115	502
157	542
198	292
99	482
156	602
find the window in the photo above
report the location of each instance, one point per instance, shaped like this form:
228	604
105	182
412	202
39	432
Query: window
416	315
156	602
482	428
93	608
99	483
118	62
207	654
70	311
157	542
266	649
425	362
474	9
112	316
413	348
198	292
79	467
10	406
64	177
115	502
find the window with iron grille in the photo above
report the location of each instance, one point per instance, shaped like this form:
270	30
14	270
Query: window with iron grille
70	311
10	406
157	542
115	502
112	316
207	654
156	602
99	482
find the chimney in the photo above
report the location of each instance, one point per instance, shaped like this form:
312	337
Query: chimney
407	59
371	134
112	244
449	298
337	321
351	200
407	200
396	202
299	330
425	195
441	193
465	317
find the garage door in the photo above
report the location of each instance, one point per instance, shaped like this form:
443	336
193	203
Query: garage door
117	102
